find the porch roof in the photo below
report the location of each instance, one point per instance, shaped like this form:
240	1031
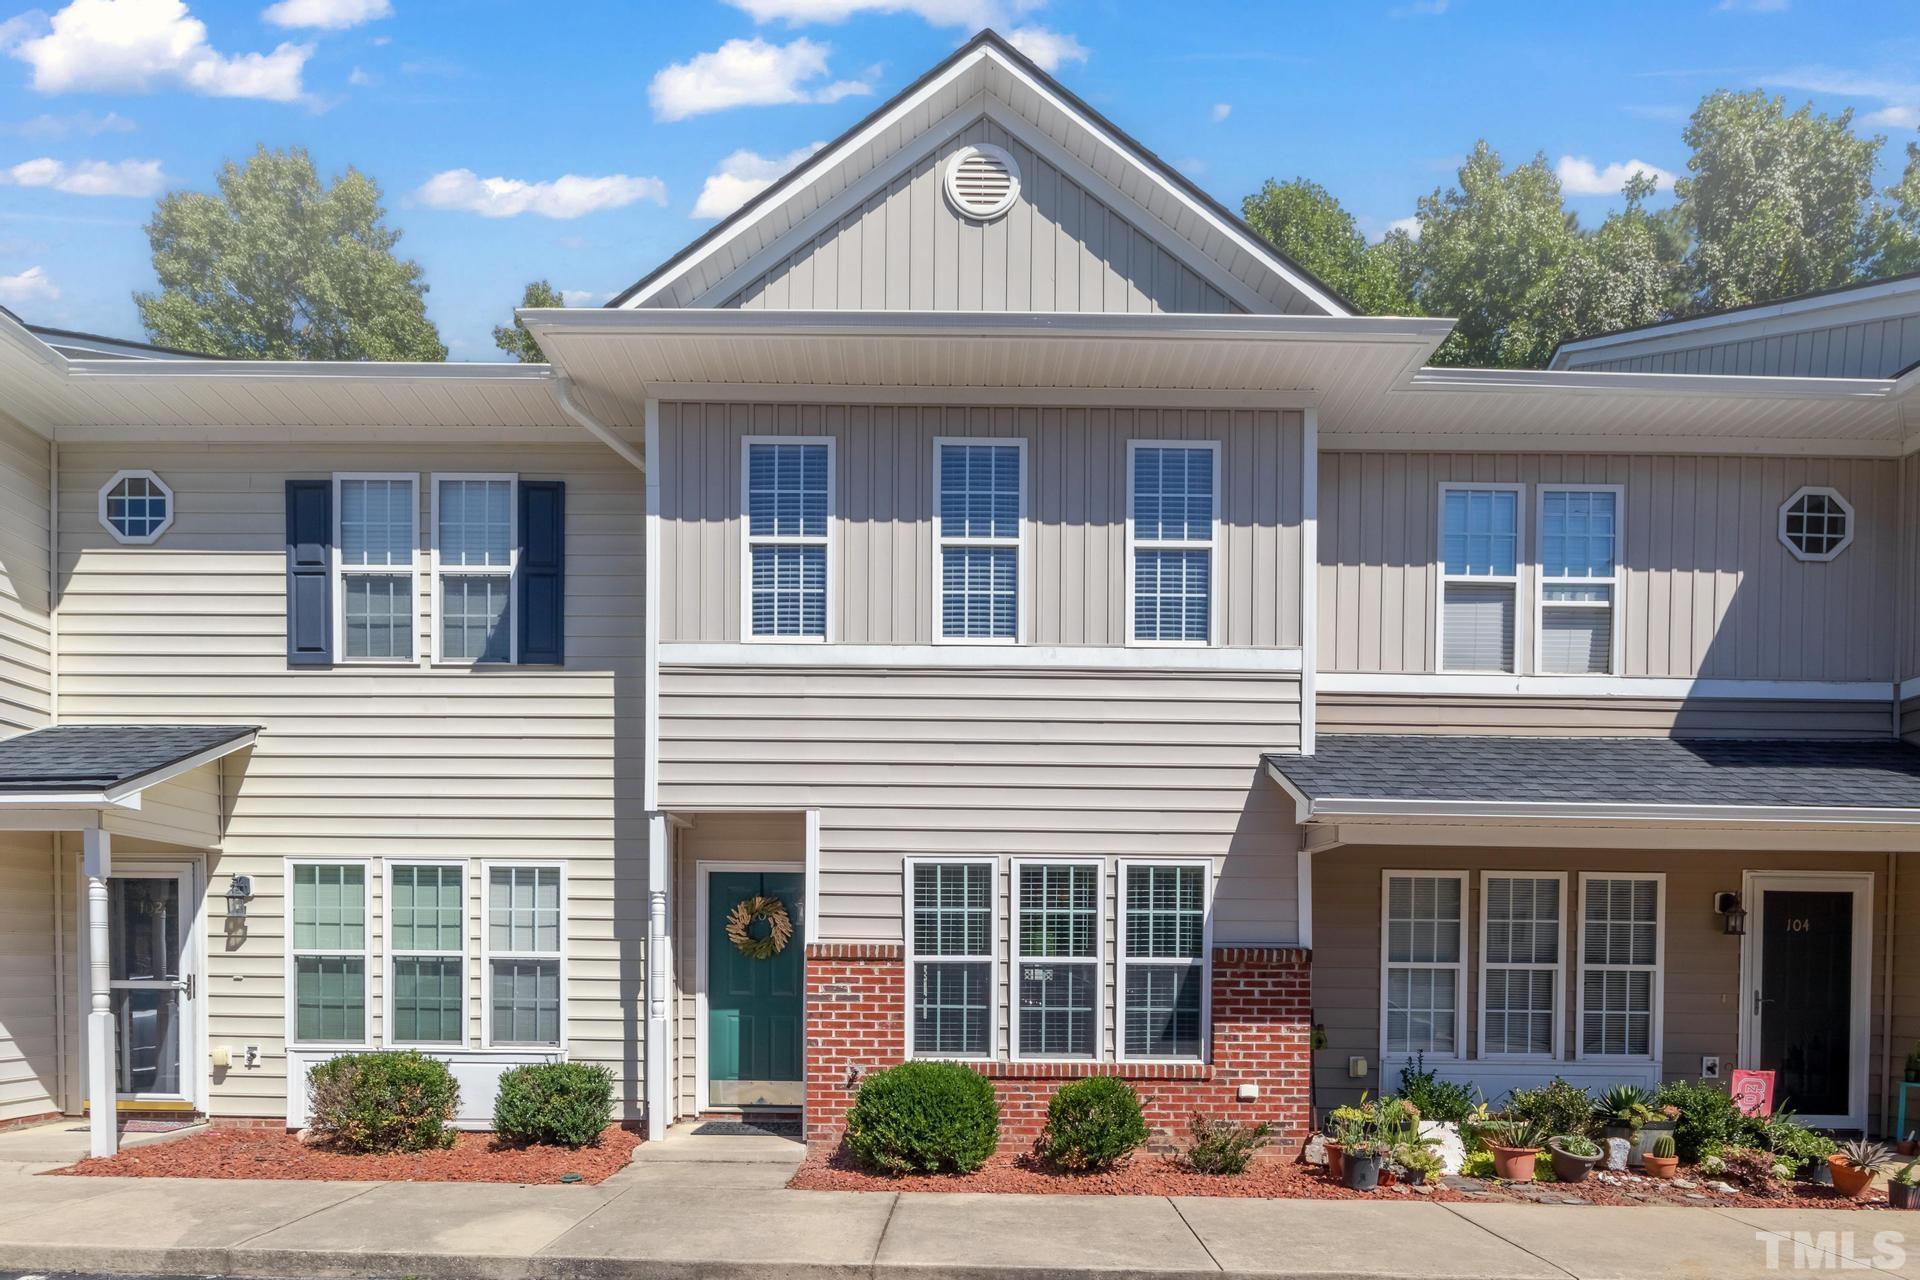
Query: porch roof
1386	776
107	763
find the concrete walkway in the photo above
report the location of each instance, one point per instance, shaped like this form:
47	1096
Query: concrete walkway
716	1209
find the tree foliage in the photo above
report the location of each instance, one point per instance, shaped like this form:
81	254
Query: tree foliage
516	339
1305	222
277	266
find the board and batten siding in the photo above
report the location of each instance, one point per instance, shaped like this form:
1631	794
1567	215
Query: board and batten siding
1860	349
379	762
885	563
1058	248
1709	590
26	648
32	1058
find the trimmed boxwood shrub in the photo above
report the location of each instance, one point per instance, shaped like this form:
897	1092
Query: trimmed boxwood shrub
396	1100
562	1104
924	1117
1093	1124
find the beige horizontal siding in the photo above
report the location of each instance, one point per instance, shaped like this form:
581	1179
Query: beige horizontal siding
1601	717
885	564
1709	590
32	1059
396	763
25	627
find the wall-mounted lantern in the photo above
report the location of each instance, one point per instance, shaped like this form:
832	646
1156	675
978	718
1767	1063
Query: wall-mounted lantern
1733	916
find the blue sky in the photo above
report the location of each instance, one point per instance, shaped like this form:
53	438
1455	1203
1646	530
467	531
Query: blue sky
610	125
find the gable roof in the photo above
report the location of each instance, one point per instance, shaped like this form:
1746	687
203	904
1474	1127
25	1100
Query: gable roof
986	66
110	761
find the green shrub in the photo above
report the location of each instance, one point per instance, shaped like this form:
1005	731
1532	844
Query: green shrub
391	1101
1788	1140
1093	1124
1709	1118
562	1104
1557	1106
1477	1164
1223	1146
1437	1099
924	1117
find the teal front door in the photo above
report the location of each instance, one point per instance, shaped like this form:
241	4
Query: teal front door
753	1003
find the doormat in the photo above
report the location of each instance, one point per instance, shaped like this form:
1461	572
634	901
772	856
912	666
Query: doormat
749	1129
144	1126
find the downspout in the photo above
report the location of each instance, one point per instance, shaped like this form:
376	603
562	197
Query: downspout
62	1050
563	393
1886	996
53	582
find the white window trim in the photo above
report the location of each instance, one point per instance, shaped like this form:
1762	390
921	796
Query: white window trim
1205	960
1518	579
1558	969
291	997
1459	966
1098	961
1659	971
1021	543
749	541
164	525
510	571
488	955
387	914
342	570
1810	490
1615	584
995	1005
1211	547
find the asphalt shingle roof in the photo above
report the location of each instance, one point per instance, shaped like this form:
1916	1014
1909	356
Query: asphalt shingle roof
1654	771
96	757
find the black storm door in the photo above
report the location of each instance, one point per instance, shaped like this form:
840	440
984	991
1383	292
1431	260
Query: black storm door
1805	998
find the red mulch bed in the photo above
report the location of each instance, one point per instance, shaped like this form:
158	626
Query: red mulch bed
249	1153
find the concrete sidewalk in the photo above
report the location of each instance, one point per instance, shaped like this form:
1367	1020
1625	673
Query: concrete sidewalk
724	1214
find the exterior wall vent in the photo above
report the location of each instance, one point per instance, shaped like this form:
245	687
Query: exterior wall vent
982	181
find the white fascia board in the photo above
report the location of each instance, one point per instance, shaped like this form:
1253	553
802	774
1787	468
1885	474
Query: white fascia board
1753	386
127	794
67	800
1841	298
1006	656
1326	807
304	370
1303	810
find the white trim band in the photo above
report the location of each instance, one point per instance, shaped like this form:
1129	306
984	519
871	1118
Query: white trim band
1099	657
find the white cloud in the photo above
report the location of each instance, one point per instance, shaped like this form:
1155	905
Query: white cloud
328	15
79	124
581	297
1579	176
1752	6
122	46
747	73
1048	48
742	176
568	196
1409	224
1221	110
89	177
1420	9
1898	93
30	285
941	13
1892	118
361	79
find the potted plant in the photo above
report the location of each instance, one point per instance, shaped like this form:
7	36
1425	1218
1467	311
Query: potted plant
1514	1145
1342	1122
1854	1165
1622	1112
1913	1064
1661	1161
1418	1162
1360	1163
1903	1188
1573	1156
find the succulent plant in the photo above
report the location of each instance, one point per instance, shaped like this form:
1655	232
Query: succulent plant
1663	1148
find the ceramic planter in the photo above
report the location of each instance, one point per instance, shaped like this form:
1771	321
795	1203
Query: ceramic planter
1568	1167
1515	1164
1360	1172
1662	1167
1850	1182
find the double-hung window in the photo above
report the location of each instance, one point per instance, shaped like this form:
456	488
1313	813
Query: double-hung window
426	951
950	949
475	540
329	951
1479	577
1163	959
1421	956
1521	923
789	503
1579	578
378	520
980	510
1172	505
1057	959
523	950
1620	927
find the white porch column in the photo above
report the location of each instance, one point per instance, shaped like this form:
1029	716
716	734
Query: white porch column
102	1081
658	1005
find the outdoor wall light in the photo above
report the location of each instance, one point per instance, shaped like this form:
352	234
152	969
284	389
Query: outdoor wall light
239	889
1733	916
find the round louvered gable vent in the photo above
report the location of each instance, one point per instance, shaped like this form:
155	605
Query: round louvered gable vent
982	181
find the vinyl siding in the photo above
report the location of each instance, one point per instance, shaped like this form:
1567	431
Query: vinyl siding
31	1056
398	762
1601	717
1058	248
1876	348
25	601
1709	590
884	564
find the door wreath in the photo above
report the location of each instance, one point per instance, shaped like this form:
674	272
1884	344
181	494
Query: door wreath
749	911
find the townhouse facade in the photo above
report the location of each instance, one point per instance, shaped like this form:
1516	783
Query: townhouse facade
981	602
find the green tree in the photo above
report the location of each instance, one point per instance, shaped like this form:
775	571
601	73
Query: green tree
1776	203
516	339
1304	221
1896	223
1628	272
277	266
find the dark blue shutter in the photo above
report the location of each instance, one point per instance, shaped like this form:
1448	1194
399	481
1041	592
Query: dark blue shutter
309	582
543	572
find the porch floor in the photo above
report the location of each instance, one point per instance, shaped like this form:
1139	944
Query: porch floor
681	1145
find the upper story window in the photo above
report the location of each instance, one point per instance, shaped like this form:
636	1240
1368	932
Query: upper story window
378	526
136	507
789	500
1172	536
475	541
1579	578
1816	523
1479	577
979	514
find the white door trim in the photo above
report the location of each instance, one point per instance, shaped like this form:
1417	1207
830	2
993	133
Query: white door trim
702	871
193	961
1753	885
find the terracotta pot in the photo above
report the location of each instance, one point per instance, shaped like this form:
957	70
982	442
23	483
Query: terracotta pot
1850	1182
1387	1176
1515	1164
1663	1167
1336	1166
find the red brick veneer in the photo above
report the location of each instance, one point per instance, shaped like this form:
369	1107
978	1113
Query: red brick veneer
1261	1035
